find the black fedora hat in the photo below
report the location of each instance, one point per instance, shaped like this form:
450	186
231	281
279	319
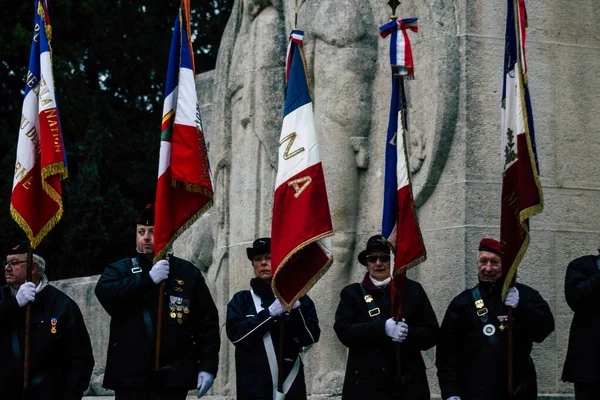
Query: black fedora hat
259	246
374	242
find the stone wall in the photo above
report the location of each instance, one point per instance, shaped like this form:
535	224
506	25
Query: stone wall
454	142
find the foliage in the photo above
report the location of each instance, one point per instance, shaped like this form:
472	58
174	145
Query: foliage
110	62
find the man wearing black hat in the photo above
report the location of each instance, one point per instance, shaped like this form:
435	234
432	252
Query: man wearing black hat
128	291
364	324
61	358
472	351
254	320
582	291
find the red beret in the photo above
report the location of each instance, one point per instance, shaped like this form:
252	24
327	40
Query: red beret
491	245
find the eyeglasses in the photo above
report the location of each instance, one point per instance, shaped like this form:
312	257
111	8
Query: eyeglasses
373	258
484	261
13	263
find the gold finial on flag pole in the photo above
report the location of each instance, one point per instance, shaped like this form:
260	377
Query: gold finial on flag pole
394	4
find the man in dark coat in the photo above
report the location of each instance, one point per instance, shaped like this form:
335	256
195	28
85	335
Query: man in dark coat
582	291
472	350
254	320
61	358
128	291
364	324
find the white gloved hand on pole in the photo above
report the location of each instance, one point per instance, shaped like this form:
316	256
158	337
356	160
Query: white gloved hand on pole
453	398
512	297
26	294
159	271
205	382
401	332
276	308
390	327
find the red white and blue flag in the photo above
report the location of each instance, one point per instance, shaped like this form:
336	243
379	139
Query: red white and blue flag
184	191
300	243
522	195
36	202
400	223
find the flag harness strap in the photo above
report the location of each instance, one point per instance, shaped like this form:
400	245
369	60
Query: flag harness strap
272	357
146	314
489	330
374	311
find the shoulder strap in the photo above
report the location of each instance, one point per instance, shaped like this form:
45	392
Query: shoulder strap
135	269
489	330
374	311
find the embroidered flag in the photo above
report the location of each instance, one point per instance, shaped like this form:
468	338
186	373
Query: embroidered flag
521	188
400	223
300	243
184	190
36	202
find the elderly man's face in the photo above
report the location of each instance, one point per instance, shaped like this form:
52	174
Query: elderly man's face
378	264
15	269
262	266
145	239
489	266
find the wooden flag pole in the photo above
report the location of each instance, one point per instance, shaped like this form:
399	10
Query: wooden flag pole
159	324
27	345
510	351
280	376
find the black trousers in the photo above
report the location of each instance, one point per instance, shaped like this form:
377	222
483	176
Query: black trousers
587	391
123	394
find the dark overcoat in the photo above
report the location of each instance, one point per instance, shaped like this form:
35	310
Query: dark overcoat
474	366
582	291
371	365
61	360
190	341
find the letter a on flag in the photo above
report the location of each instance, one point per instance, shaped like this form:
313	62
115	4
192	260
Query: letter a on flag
300	242
184	190
36	202
521	188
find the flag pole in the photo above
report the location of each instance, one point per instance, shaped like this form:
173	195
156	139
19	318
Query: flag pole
159	324
27	345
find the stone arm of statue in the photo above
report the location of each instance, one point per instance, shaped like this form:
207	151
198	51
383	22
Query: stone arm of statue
206	326
582	284
305	323
243	325
118	286
533	314
447	358
349	328
423	327
78	356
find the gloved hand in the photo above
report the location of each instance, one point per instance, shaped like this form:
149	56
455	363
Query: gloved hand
453	398
26	293
276	308
205	382
401	332
390	327
296	305
160	271
512	297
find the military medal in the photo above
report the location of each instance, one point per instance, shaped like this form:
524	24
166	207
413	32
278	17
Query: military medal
186	310
173	315
179	282
502	319
179	315
53	322
489	330
179	321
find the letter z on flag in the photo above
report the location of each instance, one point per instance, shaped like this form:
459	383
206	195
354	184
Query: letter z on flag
300	243
184	190
36	202
522	195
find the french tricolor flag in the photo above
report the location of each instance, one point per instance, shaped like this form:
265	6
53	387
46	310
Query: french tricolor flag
184	189
400	223
300	244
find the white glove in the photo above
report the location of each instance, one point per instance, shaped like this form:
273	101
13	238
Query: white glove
512	297
390	327
401	332
26	293
453	398
296	305
276	308
205	382
160	271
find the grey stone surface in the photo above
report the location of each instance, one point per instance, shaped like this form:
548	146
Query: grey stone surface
454	148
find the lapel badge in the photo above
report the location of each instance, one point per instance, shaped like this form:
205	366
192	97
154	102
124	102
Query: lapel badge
53	322
479	303
179	282
368	298
489	330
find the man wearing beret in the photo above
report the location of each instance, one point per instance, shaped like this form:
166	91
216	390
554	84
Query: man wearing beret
254	320
472	351
582	292
128	291
61	358
364	324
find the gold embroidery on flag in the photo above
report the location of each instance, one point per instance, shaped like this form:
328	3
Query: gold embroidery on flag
291	138
307	180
